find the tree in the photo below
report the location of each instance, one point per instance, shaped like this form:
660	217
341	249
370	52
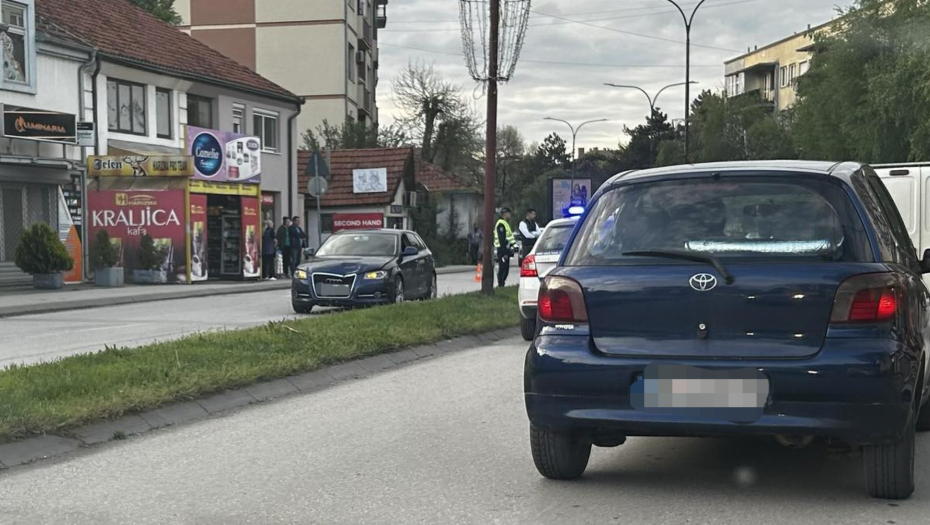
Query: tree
162	9
352	135
640	151
552	153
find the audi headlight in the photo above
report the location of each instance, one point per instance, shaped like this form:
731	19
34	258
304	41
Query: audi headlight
375	276
300	274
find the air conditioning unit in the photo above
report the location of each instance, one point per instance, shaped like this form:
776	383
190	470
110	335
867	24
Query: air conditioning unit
360	57
411	199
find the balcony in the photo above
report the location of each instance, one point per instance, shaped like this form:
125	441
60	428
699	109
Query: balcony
365	100
365	39
382	14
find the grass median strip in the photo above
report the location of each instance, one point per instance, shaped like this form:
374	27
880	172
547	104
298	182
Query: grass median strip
54	397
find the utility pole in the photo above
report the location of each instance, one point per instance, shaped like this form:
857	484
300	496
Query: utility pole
687	20
490	156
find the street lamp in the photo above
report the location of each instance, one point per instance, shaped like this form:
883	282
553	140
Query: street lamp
574	134
687	21
652	106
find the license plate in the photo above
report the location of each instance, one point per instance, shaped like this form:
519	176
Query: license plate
733	395
333	290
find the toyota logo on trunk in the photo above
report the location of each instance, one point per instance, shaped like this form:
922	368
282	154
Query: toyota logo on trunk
703	282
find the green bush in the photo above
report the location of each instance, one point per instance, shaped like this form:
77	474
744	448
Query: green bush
41	252
103	254
150	257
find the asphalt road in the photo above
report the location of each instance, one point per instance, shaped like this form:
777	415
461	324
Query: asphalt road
34	338
440	441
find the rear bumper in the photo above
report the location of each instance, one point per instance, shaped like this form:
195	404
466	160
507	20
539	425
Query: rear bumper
855	390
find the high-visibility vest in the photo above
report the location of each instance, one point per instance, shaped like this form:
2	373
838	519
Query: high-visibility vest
510	239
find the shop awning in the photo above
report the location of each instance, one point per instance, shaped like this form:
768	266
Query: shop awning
120	147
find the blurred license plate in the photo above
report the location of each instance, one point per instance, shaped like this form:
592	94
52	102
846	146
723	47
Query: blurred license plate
734	395
333	290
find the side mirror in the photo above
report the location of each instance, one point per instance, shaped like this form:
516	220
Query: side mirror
410	251
925	262
308	252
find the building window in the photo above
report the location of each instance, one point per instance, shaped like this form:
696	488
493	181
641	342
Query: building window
238	119
803	67
199	112
126	107
266	127
792	69
784	76
163	120
350	60
15	42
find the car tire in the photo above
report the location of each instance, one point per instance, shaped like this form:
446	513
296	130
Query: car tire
889	467
434	288
558	455
399	294
528	328
302	308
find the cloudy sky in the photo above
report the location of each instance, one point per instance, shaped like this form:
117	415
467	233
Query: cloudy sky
573	46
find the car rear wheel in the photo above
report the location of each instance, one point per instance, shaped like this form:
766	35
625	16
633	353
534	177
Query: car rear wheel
889	467
433	291
528	328
558	455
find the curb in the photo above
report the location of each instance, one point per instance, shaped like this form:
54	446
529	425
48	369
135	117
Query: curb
49	446
187	292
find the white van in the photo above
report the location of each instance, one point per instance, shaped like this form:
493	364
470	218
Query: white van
909	185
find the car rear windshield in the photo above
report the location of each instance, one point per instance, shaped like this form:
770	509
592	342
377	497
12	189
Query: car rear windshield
761	218
359	245
554	239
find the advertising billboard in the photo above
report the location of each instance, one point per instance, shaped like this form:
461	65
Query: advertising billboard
198	264
128	215
222	156
252	235
357	221
566	192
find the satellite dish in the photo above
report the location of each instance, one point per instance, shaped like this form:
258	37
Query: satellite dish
317	186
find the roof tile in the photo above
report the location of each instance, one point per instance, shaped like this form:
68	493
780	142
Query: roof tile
342	162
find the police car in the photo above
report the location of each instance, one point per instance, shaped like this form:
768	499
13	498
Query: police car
540	261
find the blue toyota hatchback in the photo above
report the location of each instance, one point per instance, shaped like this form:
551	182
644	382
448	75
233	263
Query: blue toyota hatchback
746	298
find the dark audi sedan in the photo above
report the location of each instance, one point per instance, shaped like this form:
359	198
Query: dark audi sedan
365	267
752	298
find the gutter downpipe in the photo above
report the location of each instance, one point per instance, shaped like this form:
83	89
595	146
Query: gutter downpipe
292	160
83	112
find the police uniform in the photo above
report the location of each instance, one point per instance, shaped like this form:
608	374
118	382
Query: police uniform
504	244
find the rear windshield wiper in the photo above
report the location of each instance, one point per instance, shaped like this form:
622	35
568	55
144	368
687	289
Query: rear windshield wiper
686	256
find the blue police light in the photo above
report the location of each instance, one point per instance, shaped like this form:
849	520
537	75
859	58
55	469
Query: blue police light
574	210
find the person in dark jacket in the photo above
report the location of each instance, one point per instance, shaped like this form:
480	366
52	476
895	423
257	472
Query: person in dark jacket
284	244
298	242
268	251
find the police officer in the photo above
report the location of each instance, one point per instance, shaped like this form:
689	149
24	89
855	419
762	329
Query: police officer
504	243
529	232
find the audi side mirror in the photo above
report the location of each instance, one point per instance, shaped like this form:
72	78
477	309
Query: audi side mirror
309	252
410	251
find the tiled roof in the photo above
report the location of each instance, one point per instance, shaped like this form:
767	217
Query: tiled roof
436	180
124	32
342	162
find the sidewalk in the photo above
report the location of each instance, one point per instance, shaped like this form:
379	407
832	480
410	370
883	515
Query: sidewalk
28	301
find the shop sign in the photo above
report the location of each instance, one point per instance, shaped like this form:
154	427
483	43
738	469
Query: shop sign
267	199
357	221
369	181
222	156
140	166
86	135
37	124
127	215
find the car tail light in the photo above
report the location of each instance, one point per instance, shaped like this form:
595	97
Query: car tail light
870	298
561	301
528	268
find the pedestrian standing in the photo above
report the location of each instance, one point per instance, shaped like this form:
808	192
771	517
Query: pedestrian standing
284	244
529	232
475	243
268	251
298	242
505	245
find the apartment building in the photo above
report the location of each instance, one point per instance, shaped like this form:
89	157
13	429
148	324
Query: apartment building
326	51
772	70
